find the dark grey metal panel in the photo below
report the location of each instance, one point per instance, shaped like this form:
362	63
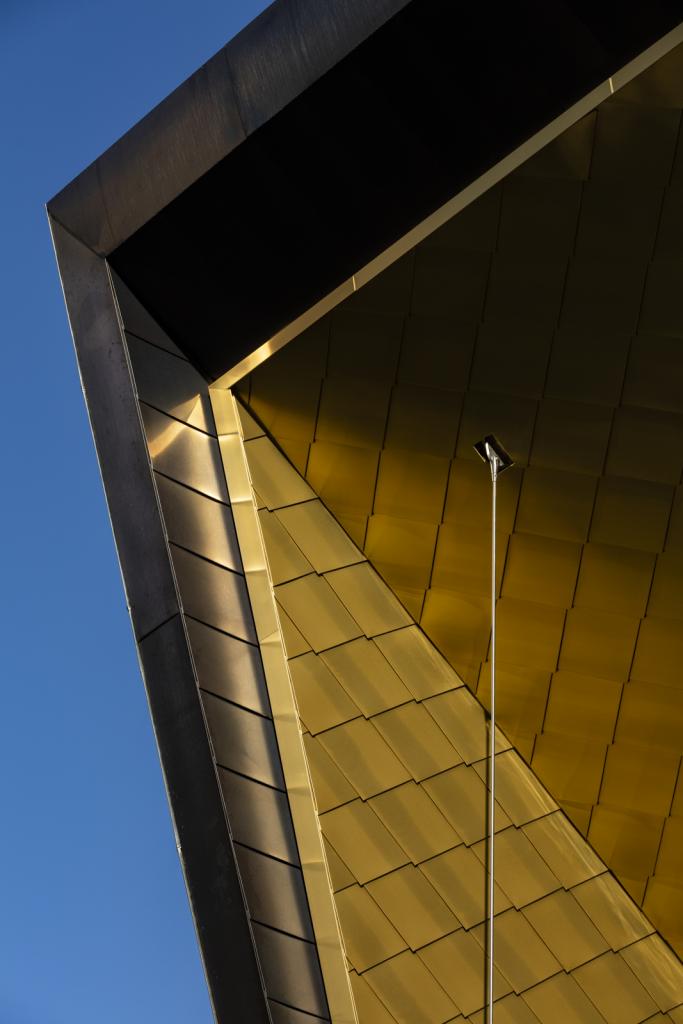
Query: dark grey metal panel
262	69
243	741
120	442
213	595
137	320
199	524
259	816
228	667
186	454
275	893
291	970
170	384
286	1015
170	148
292	44
206	851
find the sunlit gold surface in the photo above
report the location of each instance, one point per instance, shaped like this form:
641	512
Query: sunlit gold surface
397	763
549	312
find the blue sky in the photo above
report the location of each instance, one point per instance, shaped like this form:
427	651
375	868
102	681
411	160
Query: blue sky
94	920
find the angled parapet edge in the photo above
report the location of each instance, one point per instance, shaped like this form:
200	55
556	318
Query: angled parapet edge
326	928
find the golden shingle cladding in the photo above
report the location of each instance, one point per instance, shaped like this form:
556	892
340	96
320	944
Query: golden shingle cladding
551	313
396	747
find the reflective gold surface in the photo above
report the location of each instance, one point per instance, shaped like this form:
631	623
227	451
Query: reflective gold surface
547	311
396	748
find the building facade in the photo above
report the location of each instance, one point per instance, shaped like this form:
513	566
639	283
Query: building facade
358	239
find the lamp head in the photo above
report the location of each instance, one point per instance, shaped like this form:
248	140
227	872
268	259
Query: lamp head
490	450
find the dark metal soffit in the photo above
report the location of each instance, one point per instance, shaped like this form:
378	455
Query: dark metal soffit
320	135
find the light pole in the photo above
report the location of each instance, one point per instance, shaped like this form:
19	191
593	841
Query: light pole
492	452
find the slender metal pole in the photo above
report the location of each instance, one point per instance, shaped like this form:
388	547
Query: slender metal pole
494	461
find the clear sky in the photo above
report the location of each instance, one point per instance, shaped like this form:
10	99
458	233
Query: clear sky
94	921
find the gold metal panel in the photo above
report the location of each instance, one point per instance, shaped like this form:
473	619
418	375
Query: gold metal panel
353	411
615	578
617	217
474	229
539	215
213	651
510	1010
183	453
508	416
317	612
413	906
460	879
529	633
369	1007
517	790
366	675
463	558
566	853
369	937
417	740
368	599
664	906
521	699
463	720
626	840
402	550
285	560
319	536
423	420
449	283
598	643
561	1001
632	781
361	840
410	992
367	338
198	523
655	365
666	598
519	954
417	662
570	766
604	294
644	444
293	419
610	909
458	963
367	761
355	526
556	504
566	930
614	989
276	481
291	637
330	787
525	288
659	970
582	706
520	872
631	513
343	476
322	702
670	858
461	796
459	624
340	876
571	436
436	352
659	652
411	485
468	502
415	822
574	349
541	569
